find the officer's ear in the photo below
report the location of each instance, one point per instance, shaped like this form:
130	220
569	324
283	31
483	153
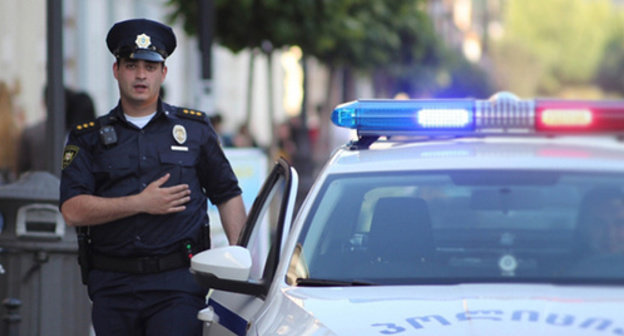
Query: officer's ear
164	70
116	68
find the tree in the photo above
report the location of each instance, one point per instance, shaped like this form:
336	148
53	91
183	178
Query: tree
609	75
551	44
346	35
362	35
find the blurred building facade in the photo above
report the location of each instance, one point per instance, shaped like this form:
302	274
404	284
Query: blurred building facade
468	25
88	65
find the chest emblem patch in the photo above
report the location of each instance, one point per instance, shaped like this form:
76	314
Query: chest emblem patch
179	134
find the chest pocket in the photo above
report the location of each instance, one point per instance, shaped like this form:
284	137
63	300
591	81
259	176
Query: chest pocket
184	159
181	166
111	161
110	168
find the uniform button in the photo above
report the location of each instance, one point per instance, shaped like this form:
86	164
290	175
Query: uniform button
143	185
138	238
143	158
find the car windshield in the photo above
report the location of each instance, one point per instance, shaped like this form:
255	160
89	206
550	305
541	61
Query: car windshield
463	226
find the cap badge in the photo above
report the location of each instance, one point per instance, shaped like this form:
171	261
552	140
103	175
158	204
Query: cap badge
143	41
179	134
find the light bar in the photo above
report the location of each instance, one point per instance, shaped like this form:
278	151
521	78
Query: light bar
504	113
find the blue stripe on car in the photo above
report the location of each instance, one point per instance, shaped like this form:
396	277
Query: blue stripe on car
229	319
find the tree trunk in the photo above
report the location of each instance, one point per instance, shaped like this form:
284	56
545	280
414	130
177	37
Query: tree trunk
273	147
348	85
250	75
334	97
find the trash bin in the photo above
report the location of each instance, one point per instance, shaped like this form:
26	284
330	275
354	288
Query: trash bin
38	258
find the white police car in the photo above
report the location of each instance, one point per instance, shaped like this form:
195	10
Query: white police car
445	217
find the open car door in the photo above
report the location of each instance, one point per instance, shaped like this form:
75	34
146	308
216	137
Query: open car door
240	276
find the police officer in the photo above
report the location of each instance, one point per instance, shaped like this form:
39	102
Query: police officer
135	183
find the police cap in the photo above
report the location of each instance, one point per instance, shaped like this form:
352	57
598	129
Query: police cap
141	39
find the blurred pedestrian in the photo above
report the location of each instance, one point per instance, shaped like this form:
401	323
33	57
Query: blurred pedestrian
136	182
286	146
217	123
8	129
243	137
32	145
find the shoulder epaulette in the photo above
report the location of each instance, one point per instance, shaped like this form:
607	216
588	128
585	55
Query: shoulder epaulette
85	127
191	114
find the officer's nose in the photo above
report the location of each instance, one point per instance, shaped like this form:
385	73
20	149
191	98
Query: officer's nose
141	71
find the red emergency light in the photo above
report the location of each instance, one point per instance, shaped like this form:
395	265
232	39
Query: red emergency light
579	116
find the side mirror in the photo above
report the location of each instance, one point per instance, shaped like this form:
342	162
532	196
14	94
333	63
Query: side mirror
227	263
226	268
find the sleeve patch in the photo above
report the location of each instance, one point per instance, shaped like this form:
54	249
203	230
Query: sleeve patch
69	154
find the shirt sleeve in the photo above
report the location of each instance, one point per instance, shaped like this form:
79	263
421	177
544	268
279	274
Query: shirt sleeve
76	176
215	172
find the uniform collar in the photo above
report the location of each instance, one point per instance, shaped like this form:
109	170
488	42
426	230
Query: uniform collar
117	114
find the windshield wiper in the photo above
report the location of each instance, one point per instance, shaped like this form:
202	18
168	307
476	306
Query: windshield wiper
311	282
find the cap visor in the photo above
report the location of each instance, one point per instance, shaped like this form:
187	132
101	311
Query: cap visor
146	55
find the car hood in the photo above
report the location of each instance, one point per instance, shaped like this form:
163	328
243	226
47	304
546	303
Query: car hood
449	310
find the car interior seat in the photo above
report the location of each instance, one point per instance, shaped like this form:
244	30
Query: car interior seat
589	260
586	221
401	232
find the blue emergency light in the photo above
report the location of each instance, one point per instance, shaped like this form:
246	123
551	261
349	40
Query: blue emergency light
503	114
405	115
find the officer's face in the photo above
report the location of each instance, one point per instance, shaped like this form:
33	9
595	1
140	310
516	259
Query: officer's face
139	81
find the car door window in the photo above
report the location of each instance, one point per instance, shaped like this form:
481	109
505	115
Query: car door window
270	220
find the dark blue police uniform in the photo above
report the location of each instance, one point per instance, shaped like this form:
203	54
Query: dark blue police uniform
138	275
138	157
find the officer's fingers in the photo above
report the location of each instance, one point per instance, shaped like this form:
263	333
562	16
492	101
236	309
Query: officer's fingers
180	189
176	209
180	201
161	180
168	207
182	196
176	204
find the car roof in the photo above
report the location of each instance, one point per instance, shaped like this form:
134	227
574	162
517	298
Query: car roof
582	153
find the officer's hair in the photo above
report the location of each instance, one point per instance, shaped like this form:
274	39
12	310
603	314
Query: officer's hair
118	60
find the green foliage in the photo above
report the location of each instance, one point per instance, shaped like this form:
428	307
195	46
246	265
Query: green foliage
239	24
610	73
394	40
562	40
362	34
